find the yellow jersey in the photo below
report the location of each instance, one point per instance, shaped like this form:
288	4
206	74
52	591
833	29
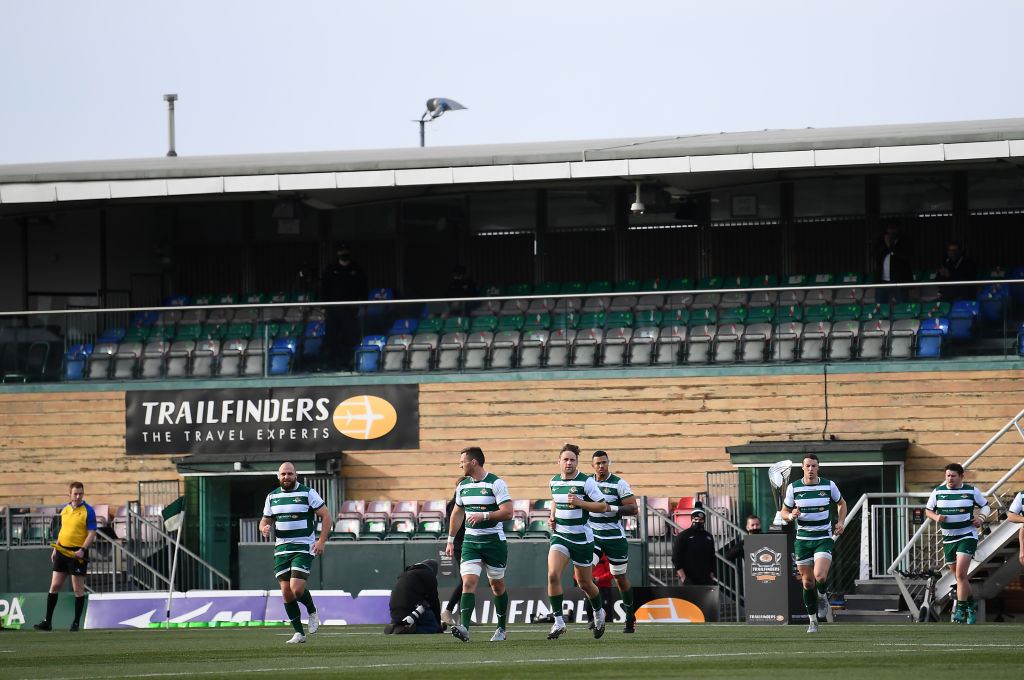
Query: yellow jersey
75	524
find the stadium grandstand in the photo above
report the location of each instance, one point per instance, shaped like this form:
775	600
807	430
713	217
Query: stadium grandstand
698	306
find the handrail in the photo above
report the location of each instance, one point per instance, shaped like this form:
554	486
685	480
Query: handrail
185	551
552	296
131	558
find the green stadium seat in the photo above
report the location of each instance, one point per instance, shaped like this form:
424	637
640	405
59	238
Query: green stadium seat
456	324
573	288
630	286
905	310
428	530
650	317
567	320
761	315
619	320
736	282
710	282
537	322
874	311
655	285
433	324
995	272
238	330
136	334
923	275
518	289
733	315
795	280
603	287
675	317
538	528
373	530
303	296
400	530
512	322
703	316
346	529
546	289
592	320
685	283
187	332
790	313
814	313
935	310
764	281
846	313
850	278
214	331
823	279
483	323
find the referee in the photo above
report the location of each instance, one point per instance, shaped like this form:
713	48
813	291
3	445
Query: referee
71	556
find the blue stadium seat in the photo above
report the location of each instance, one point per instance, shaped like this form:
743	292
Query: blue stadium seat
1017	289
282	354
74	362
963	320
368	353
313	339
931	337
992	300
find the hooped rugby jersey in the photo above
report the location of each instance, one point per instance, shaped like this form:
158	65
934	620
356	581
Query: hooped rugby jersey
294	515
813	523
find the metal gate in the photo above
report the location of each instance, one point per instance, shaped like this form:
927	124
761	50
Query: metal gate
328	488
158	494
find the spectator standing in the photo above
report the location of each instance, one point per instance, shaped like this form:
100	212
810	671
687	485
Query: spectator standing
693	552
343	280
957	266
460	286
892	265
71	554
736	551
414	604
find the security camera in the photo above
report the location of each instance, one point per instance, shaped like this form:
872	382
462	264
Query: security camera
638	206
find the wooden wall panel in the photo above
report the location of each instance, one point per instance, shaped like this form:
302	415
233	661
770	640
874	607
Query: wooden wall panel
663	433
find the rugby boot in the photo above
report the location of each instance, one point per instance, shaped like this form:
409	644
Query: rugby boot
499	635
813	627
556	631
460	633
599	624
972	613
296	639
630	625
314	622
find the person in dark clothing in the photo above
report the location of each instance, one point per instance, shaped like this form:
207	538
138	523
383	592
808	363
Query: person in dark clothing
892	265
448	615
414	605
460	286
693	552
736	551
343	280
957	266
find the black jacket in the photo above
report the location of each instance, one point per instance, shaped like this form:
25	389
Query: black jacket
693	551
416	585
341	282
899	262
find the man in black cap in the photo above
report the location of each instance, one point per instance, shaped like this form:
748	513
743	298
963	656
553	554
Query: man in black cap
343	280
693	552
415	607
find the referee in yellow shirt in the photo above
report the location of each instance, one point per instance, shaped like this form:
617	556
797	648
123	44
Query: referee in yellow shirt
77	532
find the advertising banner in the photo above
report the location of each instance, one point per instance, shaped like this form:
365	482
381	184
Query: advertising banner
771	582
22	610
685	604
138	610
268	420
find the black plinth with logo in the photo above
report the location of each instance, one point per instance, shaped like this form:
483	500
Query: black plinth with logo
772	590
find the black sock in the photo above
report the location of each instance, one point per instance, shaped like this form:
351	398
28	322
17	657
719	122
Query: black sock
79	606
453	601
51	604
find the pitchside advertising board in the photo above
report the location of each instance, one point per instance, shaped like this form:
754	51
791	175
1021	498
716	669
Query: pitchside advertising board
693	604
268	420
772	587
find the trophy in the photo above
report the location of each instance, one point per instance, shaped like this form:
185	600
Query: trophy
778	477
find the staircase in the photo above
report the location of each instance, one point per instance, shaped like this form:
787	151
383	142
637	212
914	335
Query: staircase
875	601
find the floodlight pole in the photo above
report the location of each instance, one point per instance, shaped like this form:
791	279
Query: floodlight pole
435	107
423	126
170	99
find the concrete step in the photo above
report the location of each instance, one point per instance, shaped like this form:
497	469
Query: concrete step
876	587
854	616
872	601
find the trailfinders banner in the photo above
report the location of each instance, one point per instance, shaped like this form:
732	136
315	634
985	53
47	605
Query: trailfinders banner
272	419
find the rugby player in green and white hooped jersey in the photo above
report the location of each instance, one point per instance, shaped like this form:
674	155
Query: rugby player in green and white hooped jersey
1016	514
951	506
807	501
609	538
484	502
293	509
575	496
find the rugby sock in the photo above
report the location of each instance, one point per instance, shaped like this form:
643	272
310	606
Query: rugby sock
810	602
294	616
596	602
79	605
556	608
51	604
627	603
466	604
307	601
501	607
820	586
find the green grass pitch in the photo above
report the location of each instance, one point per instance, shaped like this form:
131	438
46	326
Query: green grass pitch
898	651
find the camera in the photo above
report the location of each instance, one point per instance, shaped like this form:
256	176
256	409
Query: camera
637	208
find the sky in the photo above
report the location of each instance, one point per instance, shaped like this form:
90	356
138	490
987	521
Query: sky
85	80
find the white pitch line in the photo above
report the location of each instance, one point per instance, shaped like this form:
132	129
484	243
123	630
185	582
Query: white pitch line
450	663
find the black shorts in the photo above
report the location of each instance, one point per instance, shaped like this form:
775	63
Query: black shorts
71	565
